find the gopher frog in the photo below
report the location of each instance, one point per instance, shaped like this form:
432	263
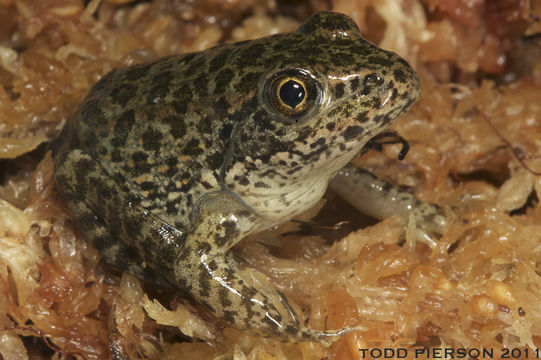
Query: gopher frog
167	165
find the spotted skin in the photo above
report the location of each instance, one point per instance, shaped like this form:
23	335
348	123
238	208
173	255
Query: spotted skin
167	165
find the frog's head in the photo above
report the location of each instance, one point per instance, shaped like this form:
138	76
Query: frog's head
313	99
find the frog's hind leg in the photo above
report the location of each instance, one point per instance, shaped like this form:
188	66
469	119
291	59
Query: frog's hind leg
113	251
78	174
381	200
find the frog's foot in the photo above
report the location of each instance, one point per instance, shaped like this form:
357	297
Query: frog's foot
325	337
381	200
286	326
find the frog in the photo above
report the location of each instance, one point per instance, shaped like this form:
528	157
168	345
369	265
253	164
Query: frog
167	165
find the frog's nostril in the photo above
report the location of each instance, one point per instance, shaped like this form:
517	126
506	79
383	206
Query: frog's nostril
372	79
370	82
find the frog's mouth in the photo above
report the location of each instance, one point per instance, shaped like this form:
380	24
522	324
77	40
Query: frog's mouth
337	149
353	146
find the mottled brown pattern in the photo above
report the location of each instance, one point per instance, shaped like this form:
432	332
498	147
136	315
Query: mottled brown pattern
177	160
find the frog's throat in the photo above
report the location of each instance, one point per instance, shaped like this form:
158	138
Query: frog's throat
307	191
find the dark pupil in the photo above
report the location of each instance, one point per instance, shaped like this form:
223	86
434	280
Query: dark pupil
292	93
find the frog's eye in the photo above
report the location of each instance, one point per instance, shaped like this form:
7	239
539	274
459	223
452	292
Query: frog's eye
292	94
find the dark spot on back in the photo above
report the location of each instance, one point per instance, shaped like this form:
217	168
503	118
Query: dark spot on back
152	140
261	184
116	156
180	106
386	119
377	118
192	148
219	60
172	163
225	133
215	160
204	282
339	90
229	316
321	141
91	142
355	84
248	83
400	76
147	185
363	117
223	79
139	157
380	61
294	170
136	72
162	79
244	181
124	123
221	107
123	93
249	55
177	125
184	95
201	86
91	113
206	185
352	132
395	94
195	63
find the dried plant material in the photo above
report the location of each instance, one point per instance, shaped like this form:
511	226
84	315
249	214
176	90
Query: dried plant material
11	148
190	324
475	150
263	26
514	193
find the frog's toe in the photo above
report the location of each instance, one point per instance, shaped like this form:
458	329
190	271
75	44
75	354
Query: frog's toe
271	313
326	337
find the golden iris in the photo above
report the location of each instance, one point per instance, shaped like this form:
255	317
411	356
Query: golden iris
292	94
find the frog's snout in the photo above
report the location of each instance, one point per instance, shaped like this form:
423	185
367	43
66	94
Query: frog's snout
393	90
406	82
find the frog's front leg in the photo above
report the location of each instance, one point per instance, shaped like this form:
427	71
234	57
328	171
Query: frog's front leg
243	297
381	200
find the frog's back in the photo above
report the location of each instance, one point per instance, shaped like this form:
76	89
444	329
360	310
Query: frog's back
146	127
163	129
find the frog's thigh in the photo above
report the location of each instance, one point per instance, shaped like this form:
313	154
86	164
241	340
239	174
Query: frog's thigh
381	200
104	213
113	251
